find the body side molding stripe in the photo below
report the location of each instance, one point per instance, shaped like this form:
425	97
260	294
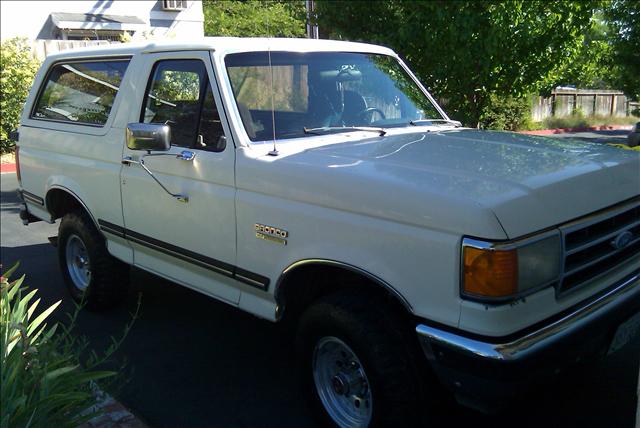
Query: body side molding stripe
226	269
33	198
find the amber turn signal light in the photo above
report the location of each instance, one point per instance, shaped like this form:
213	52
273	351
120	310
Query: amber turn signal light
490	272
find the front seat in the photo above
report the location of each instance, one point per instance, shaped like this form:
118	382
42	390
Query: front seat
354	105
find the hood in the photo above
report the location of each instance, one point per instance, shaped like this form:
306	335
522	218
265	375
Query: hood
472	178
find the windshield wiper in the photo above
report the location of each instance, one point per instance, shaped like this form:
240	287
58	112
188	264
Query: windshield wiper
337	129
427	121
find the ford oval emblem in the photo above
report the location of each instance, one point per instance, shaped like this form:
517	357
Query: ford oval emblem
622	240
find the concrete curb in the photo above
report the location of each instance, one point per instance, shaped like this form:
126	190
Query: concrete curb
7	167
584	129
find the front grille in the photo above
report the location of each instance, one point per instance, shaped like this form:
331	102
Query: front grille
595	246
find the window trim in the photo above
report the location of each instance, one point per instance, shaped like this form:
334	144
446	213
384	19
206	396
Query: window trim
201	94
53	65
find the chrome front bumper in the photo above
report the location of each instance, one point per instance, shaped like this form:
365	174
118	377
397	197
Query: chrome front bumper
486	373
537	340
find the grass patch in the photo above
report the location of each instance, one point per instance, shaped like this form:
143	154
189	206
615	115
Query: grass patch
579	121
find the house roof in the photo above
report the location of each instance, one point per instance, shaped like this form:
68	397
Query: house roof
89	21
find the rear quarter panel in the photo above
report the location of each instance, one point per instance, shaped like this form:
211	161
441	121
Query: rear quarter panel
81	159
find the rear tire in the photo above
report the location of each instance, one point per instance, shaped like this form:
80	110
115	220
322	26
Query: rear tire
356	362
93	277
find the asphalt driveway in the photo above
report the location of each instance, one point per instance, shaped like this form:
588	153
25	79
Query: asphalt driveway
195	362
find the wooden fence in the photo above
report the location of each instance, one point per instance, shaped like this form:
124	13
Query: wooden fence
589	102
43	48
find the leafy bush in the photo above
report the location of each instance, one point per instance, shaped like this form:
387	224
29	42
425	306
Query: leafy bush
254	18
43	381
507	113
17	70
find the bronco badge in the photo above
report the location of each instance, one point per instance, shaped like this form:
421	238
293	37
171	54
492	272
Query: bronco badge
272	234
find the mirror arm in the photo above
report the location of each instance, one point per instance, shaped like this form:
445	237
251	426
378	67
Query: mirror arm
128	160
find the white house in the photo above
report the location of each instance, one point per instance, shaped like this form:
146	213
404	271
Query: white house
101	20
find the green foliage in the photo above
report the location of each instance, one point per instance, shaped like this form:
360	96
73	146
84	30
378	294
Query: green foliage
624	19
254	18
468	50
506	113
17	70
44	382
581	121
590	67
174	85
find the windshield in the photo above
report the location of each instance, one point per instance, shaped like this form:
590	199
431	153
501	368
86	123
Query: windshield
323	89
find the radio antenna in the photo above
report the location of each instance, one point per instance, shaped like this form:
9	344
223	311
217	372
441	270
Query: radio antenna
273	152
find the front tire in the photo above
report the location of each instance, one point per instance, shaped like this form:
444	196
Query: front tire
92	275
357	366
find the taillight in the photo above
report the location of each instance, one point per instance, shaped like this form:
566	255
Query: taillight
18	166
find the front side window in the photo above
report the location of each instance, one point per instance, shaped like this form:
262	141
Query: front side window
81	92
179	95
322	89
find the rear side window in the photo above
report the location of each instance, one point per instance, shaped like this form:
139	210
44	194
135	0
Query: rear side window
80	92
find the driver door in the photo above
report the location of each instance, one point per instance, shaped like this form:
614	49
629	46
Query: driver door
190	240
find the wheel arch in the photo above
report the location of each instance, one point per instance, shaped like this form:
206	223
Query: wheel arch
60	200
325	276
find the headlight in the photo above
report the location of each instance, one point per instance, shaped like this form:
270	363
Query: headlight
501	271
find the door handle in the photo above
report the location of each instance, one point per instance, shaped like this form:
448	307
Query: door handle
186	155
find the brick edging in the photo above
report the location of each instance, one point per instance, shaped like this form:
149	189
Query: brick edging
583	129
113	413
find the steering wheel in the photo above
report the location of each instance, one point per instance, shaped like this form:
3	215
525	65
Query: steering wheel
370	112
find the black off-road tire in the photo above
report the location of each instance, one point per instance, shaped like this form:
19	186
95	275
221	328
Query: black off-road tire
109	277
381	341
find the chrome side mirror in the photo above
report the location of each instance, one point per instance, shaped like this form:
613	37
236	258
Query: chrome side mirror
148	136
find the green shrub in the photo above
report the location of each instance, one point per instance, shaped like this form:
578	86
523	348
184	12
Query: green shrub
581	121
507	113
43	382
17	70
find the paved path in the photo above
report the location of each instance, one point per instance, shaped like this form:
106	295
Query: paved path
613	137
195	362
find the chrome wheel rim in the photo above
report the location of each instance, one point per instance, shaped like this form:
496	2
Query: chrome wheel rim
78	264
342	383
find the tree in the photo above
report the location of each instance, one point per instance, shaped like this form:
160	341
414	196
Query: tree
17	70
254	18
624	19
465	51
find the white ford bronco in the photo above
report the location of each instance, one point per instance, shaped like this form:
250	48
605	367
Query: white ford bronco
319	181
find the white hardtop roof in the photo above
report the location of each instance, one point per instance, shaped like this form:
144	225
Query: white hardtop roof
224	45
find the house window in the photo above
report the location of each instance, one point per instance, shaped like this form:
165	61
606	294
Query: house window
174	4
